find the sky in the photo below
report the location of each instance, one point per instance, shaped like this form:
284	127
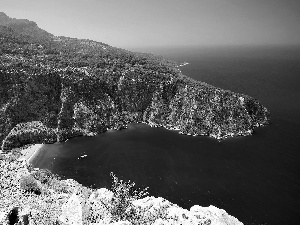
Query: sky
145	23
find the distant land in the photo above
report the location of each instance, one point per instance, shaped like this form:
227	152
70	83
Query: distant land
55	88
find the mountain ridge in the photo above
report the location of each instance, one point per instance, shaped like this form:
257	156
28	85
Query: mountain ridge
54	88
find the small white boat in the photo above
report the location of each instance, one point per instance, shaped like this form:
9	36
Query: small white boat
82	156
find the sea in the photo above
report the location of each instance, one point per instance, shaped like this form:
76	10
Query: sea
254	178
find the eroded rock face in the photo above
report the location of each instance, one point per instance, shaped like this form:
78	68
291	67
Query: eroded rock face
68	202
161	211
75	87
100	202
215	215
151	210
24	216
72	211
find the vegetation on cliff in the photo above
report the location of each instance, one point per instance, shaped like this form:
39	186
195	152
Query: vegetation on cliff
32	196
54	88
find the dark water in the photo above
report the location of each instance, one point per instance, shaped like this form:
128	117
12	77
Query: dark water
254	178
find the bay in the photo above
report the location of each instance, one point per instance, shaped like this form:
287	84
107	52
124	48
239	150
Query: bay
254	178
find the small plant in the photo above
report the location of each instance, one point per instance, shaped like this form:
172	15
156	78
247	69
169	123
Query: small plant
29	167
43	175
2	157
16	152
58	186
29	184
11	158
121	206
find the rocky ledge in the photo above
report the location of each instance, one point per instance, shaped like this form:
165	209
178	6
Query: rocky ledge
54	88
32	196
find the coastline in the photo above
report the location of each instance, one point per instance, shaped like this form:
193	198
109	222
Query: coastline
62	201
31	152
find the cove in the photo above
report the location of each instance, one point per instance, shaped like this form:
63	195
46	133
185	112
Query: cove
254	178
244	175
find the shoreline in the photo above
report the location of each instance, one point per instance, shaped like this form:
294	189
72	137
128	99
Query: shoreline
30	153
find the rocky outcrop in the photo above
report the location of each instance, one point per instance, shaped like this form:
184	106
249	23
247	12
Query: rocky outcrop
161	211
21	206
149	210
64	87
72	211
28	133
99	201
66	202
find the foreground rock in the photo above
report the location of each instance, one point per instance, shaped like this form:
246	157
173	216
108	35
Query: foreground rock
53	88
72	211
69	203
149	210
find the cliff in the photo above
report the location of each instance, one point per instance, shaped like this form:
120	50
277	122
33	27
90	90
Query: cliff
30	196
54	88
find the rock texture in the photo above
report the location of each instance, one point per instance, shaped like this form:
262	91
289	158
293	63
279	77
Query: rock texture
149	210
161	211
72	211
66	202
16	204
54	88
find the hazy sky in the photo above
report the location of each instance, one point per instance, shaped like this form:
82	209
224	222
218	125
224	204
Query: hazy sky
139	23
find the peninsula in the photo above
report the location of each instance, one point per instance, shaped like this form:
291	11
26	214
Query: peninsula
54	88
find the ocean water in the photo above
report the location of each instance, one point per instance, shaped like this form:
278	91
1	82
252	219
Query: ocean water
254	178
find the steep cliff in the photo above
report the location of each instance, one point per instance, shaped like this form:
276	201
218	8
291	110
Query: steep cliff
54	88
30	196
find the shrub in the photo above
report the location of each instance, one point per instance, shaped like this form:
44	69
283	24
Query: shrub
16	152
29	184
29	167
11	158
43	175
2	157
28	133
58	186
121	207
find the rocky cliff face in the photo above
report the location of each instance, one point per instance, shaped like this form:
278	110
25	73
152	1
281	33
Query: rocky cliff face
66	202
54	88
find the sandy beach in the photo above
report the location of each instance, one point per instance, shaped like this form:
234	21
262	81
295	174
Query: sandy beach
31	152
